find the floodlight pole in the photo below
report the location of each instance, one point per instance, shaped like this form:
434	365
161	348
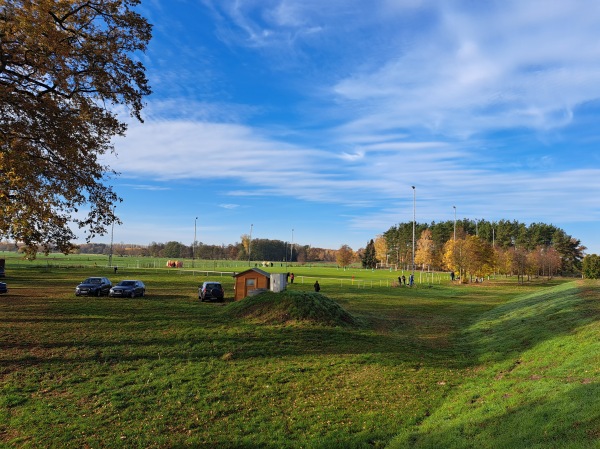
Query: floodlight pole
414	218
112	231
454	222
194	244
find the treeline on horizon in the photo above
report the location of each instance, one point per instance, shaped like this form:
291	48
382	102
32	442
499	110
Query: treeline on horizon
260	250
397	245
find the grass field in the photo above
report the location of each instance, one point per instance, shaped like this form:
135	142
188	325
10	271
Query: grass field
492	365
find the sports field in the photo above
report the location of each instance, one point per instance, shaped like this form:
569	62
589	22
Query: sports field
491	365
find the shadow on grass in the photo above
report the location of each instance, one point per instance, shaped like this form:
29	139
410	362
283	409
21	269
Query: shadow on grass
113	331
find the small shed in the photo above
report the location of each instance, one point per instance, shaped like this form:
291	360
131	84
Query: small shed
249	280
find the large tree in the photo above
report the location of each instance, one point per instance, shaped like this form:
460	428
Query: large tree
344	256
66	66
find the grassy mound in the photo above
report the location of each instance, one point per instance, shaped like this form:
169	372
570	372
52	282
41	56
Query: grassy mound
291	306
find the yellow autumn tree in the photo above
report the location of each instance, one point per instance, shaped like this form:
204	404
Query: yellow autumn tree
469	256
381	249
245	239
344	256
425	253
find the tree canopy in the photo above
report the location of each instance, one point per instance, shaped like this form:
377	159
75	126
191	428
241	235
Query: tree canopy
507	246
65	68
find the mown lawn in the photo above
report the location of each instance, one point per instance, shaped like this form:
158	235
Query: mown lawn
490	365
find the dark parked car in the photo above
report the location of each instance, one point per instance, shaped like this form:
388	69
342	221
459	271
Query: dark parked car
95	286
211	291
129	289
3	287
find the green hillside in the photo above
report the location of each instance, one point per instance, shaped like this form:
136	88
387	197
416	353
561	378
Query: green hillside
537	384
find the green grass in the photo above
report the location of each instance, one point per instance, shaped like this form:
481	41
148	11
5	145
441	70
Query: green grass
360	365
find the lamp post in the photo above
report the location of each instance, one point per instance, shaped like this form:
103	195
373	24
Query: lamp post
112	231
414	220
194	244
454	222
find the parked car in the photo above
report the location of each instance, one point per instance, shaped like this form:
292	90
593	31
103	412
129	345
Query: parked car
211	291
3	287
94	286
129	289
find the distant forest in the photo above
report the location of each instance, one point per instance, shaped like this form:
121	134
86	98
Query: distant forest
260	250
505	246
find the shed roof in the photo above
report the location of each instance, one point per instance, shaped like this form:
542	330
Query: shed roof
257	270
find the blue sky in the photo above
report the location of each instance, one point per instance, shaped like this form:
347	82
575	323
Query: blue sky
319	116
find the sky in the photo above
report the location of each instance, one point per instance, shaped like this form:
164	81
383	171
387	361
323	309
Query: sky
310	121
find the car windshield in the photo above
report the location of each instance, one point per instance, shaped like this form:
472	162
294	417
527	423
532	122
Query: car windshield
127	283
211	286
93	281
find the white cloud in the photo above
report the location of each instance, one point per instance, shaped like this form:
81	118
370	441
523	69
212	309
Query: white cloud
495	69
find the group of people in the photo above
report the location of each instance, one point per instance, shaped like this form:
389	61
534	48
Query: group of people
402	280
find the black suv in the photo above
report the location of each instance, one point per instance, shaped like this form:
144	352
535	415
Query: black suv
211	291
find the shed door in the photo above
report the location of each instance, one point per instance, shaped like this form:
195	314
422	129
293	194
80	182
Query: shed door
250	285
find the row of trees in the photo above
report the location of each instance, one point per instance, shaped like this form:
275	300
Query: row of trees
479	248
259	249
470	249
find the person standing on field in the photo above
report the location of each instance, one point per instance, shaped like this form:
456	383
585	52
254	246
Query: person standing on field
317	286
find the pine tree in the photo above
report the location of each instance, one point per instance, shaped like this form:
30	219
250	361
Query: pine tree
369	259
